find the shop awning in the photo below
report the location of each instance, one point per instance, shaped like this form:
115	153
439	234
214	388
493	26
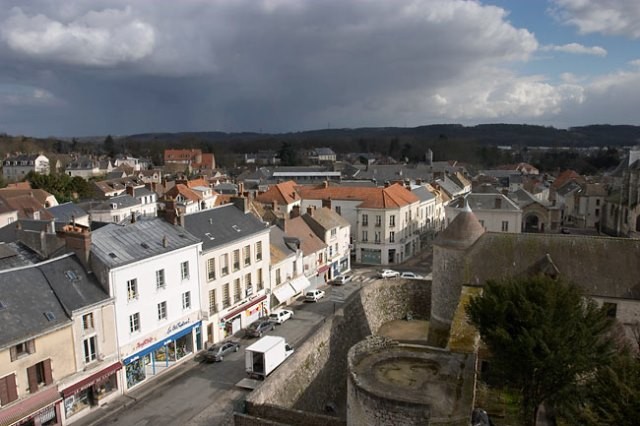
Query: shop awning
29	407
300	283
323	269
284	292
243	307
91	380
159	344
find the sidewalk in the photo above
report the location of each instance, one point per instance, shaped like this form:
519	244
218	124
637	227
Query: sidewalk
127	400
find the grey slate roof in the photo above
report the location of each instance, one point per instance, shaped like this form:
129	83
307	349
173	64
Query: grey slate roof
478	201
122	201
423	193
64	213
74	287
222	225
30	307
118	245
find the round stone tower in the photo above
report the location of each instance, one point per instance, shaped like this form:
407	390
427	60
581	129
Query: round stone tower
449	249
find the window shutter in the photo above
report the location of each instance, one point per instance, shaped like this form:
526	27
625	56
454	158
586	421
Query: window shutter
8	390
14	353
48	379
31	346
33	379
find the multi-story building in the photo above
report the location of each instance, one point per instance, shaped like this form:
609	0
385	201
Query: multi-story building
335	231
86	167
314	251
16	167
495	212
286	268
234	267
383	220
120	208
151	269
281	198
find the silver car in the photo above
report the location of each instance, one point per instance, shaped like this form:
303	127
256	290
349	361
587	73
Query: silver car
217	352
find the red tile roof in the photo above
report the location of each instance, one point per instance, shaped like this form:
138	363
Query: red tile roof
393	196
309	242
283	193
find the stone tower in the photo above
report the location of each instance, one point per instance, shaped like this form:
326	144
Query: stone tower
449	249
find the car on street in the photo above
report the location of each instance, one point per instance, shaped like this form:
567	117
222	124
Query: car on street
411	276
342	279
388	273
313	295
259	327
280	316
217	352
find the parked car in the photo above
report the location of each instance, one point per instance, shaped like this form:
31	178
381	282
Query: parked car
280	316
217	352
388	273
342	279
313	295
259	327
411	276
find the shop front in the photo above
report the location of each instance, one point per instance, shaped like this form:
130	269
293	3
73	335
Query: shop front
41	409
92	391
243	315
159	354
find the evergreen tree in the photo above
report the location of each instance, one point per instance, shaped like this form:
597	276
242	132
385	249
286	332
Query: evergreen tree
544	336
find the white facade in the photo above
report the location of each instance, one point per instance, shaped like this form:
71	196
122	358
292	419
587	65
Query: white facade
8	217
155	299
117	213
16	168
234	280
505	216
281	276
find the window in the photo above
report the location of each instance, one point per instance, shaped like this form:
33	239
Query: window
278	276
505	226
39	375
597	201
338	210
186	300
22	349
597	212
259	250
184	269
224	264
611	309
162	311
378	220
213	304
160	282
392	237
377	237
260	281
365	236
246	253
87	322
211	269
248	285
365	220
134	322
226	299
89	349
8	389
132	289
392	220
237	290
236	260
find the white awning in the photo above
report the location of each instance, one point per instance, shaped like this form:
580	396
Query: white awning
284	292
300	283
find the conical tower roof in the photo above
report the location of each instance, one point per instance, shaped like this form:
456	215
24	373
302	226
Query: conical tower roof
462	232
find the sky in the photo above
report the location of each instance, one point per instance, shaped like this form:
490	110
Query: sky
97	67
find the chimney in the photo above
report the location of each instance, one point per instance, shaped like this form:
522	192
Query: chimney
310	210
130	190
241	203
52	226
274	205
295	211
418	181
240	188
327	203
386	183
78	240
133	217
325	184
165	242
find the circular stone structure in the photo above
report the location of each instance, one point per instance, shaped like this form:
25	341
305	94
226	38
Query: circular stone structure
394	384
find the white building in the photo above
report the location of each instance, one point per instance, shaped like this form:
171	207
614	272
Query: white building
335	231
116	209
286	269
151	270
15	168
495	212
234	267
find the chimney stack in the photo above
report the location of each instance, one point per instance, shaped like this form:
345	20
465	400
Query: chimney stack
165	242
241	203
130	190
310	210
295	211
78	240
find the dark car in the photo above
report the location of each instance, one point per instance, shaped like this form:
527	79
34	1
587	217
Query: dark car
217	352
258	328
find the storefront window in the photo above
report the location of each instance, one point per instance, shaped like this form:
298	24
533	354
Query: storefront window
136	371
77	402
184	345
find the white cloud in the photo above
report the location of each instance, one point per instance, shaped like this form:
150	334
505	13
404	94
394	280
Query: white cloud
635	62
99	38
575	48
611	17
20	95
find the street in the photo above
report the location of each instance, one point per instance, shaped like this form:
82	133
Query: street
199	393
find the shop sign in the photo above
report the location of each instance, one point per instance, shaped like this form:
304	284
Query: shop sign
144	342
177	325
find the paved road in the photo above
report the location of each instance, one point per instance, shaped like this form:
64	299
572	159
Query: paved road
195	393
